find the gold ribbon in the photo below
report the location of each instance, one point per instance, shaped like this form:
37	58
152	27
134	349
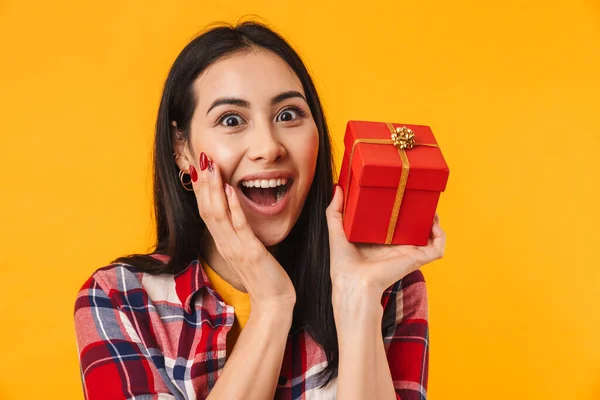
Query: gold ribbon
403	139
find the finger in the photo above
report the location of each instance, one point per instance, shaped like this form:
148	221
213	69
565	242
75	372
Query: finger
215	216
217	193
436	229
238	217
201	186
220	213
435	245
416	257
397	268
438	241
333	213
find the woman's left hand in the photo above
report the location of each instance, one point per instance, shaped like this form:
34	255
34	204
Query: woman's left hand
362	269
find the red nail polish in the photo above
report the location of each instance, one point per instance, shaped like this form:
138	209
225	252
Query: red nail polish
203	161
193	173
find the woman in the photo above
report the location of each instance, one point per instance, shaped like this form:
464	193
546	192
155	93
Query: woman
253	291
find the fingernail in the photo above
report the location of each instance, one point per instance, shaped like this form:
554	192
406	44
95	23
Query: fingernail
228	190
193	173
203	161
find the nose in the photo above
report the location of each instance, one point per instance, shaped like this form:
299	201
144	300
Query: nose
265	145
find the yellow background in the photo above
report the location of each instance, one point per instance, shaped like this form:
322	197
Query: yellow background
511	90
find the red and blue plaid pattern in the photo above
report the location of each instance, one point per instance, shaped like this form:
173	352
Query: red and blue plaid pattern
148	336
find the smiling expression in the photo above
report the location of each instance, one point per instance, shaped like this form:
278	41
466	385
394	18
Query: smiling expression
252	119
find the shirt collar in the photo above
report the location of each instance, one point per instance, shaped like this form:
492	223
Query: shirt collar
188	282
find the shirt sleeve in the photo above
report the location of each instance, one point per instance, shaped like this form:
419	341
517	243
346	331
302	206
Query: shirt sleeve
407	338
114	364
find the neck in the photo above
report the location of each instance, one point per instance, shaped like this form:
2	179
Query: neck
217	263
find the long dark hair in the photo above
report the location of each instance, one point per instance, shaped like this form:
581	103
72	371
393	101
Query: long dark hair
304	253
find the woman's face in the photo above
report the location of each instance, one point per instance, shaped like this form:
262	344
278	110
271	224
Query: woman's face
252	119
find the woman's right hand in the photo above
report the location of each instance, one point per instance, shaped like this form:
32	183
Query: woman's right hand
263	277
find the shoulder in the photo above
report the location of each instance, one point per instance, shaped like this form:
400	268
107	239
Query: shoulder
113	281
114	276
105	286
407	298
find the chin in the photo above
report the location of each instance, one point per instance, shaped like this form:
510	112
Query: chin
270	237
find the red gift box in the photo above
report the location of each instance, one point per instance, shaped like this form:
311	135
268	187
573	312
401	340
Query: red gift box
392	176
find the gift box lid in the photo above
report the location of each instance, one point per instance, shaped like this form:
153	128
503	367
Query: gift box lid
381	165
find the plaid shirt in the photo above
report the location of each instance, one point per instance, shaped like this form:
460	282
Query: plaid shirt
148	336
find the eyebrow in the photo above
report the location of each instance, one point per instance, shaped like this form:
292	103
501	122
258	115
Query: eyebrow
244	103
287	95
228	100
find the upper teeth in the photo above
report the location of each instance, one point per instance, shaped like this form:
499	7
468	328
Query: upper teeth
265	183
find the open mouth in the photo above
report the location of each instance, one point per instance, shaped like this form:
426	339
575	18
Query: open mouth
266	192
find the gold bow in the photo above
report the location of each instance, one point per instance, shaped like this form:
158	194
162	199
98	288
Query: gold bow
402	138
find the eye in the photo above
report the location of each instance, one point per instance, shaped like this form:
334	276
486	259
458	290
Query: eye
289	114
231	120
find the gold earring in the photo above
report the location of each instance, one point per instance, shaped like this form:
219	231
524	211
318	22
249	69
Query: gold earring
181	174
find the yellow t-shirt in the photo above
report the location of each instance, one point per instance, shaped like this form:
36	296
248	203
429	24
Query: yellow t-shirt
239	300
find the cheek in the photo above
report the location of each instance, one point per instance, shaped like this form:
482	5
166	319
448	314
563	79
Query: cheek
306	155
224	155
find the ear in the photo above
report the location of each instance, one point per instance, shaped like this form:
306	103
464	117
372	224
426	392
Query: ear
182	155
